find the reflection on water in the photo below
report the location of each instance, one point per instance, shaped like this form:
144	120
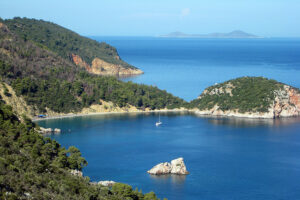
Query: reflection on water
124	77
96	120
173	178
215	149
248	122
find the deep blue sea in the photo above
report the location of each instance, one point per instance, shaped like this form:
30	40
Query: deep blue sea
185	67
227	158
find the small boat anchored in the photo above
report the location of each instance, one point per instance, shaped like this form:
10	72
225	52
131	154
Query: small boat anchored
159	122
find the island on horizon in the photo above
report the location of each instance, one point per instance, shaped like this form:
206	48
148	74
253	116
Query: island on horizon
233	34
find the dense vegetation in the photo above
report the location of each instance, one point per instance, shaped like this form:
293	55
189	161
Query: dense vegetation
63	41
248	94
46	79
36	167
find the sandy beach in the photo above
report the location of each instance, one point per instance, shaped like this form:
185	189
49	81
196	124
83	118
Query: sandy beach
107	113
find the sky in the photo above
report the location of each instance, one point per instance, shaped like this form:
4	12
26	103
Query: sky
268	18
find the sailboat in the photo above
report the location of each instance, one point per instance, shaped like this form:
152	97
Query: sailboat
159	122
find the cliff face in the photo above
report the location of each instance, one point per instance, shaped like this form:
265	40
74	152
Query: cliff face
79	62
284	101
101	67
287	102
18	104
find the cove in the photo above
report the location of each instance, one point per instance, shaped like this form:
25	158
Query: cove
227	158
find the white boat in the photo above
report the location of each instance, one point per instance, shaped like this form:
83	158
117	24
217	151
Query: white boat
159	122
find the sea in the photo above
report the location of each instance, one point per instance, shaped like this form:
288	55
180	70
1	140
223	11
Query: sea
228	158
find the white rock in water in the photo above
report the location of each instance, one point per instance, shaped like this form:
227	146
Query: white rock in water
57	130
45	130
49	130
106	183
162	168
176	166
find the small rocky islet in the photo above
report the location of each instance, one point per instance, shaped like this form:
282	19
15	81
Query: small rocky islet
176	166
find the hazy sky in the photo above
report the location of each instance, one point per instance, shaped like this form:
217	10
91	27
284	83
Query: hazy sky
155	17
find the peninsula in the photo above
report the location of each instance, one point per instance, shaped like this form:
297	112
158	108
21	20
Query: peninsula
94	57
47	69
251	97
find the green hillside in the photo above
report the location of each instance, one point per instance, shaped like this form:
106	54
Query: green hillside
47	80
36	167
246	94
63	41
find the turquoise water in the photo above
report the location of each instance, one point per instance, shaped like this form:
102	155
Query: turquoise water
227	158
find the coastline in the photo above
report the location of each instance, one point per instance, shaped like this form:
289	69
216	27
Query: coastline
196	112
71	115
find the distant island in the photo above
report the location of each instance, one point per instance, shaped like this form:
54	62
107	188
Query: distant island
233	34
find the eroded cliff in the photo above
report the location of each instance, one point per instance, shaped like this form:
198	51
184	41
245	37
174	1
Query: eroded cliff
100	67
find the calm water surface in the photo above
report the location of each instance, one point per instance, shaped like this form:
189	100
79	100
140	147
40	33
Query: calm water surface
185	67
227	158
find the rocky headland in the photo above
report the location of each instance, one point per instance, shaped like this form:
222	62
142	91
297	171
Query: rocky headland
250	97
176	166
100	67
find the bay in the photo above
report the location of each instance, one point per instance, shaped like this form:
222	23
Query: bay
227	158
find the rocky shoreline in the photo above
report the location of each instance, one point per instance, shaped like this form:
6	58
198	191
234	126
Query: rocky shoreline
203	113
100	67
43	130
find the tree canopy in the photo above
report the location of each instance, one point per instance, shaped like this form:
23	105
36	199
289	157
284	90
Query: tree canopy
37	167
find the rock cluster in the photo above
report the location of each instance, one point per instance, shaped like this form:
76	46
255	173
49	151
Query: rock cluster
176	166
49	130
76	172
106	183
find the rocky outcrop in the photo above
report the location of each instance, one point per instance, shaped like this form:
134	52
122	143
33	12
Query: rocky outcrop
286	103
106	183
18	104
49	130
176	166
79	62
76	172
3	27
101	67
162	168
104	68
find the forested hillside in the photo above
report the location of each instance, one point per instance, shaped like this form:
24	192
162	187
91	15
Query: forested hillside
36	167
245	94
62	41
45	79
